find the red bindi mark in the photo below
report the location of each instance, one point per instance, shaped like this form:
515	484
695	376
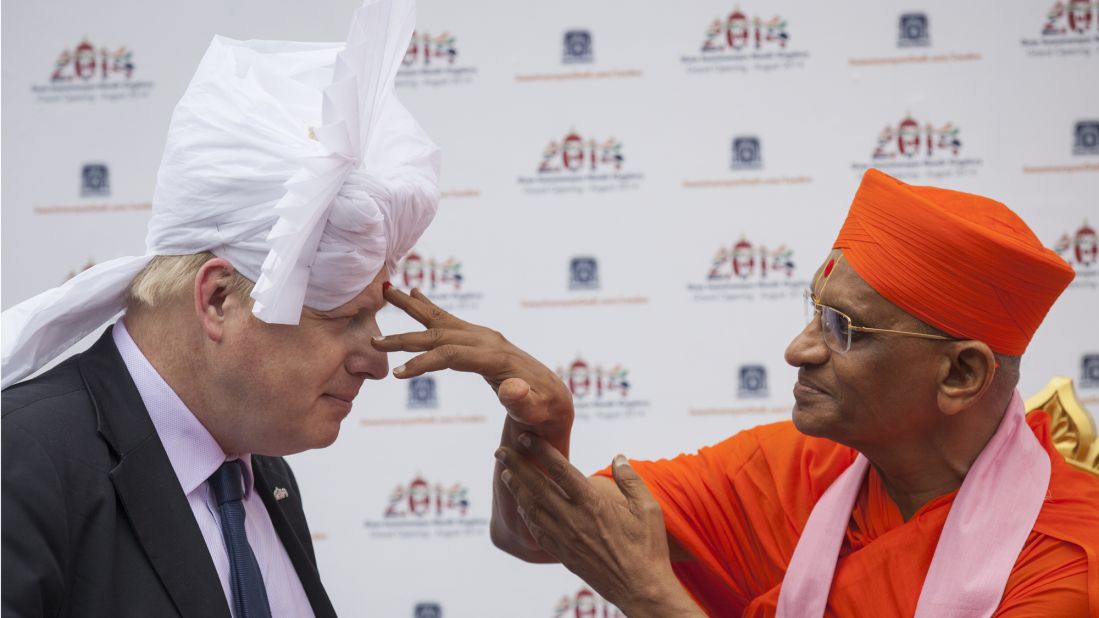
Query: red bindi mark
828	268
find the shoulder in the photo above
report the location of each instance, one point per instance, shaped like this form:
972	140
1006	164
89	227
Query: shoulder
51	407
50	427
1071	511
43	391
1052	577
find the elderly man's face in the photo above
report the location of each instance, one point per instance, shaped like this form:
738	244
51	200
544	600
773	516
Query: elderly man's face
882	388
291	386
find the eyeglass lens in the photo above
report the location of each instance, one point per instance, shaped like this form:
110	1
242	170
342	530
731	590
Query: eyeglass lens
834	326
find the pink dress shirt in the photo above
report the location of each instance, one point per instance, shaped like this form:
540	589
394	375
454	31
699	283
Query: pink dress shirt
195	455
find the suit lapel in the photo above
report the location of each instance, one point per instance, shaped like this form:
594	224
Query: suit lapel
148	489
289	520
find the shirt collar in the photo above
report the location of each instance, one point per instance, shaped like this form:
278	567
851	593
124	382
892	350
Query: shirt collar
194	454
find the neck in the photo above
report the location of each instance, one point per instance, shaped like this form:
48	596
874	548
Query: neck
935	463
166	344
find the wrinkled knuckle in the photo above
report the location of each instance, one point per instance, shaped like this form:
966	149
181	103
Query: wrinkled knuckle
437	315
538	492
434	336
558	471
652	508
447	351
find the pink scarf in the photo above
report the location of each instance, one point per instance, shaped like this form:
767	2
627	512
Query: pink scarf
991	517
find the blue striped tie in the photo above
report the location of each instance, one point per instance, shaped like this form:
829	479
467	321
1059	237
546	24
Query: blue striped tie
245	578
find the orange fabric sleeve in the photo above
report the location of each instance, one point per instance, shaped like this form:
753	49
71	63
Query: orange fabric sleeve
1049	579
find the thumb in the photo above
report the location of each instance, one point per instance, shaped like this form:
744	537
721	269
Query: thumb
514	395
629	482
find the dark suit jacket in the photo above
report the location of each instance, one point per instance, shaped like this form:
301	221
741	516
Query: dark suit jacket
95	522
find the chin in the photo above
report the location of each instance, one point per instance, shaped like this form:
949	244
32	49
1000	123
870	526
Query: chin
325	436
815	423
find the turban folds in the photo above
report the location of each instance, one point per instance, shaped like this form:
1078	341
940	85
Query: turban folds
293	161
962	263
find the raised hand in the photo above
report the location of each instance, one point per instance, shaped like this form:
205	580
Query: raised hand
532	394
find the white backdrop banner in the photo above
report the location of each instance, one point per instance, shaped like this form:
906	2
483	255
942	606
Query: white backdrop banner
637	193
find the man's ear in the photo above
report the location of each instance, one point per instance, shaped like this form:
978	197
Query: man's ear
966	372
211	290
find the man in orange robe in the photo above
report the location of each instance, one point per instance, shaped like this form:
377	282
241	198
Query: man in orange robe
907	368
738	508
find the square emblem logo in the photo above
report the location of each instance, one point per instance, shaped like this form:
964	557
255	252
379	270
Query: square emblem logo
95	180
1086	140
577	46
583	274
752	382
747	153
913	31
422	394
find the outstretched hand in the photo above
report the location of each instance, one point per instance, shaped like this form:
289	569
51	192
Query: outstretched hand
532	394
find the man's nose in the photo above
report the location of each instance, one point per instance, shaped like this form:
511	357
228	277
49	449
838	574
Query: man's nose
362	359
808	347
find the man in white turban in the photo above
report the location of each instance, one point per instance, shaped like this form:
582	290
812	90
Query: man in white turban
145	477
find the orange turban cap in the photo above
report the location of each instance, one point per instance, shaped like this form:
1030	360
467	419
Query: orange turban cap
962	263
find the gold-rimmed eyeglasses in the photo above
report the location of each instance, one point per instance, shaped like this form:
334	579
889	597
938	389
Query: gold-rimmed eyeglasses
836	327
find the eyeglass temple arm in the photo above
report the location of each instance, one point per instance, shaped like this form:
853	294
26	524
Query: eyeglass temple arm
867	329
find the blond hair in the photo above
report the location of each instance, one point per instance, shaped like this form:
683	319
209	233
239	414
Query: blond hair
168	276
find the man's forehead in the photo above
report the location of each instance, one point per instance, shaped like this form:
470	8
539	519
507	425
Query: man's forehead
837	284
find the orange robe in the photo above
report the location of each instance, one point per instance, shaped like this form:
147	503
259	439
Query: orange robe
739	508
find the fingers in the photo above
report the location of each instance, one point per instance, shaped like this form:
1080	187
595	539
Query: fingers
451	356
525	481
418	306
531	512
557	467
631	485
424	340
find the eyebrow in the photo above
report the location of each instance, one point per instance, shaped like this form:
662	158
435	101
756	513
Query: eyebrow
855	320
335	313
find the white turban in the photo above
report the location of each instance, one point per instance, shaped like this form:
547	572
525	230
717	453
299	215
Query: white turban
293	161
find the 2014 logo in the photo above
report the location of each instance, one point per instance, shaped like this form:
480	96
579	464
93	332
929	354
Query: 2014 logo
744	260
425	50
1074	18
909	139
85	62
586	381
586	604
576	154
421	499
1081	249
429	274
738	32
